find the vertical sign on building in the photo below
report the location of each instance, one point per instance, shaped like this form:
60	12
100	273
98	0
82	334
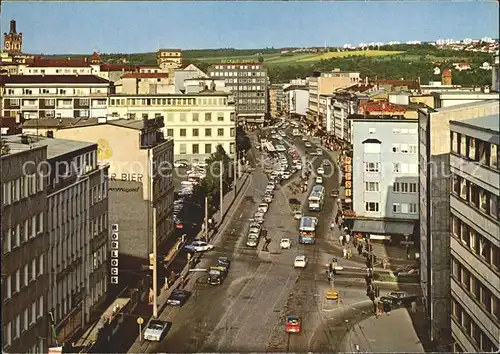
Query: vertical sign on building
348	179
114	253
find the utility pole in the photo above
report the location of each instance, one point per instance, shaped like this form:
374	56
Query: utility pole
221	186
206	219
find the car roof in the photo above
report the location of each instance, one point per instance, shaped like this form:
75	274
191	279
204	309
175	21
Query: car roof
157	322
297	258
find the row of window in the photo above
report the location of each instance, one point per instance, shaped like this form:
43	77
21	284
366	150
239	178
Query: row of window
405	187
195	117
484	152
397	208
12	331
195	148
477	197
22	277
397	167
17	235
472	330
241	67
404	149
195	132
20	188
64	91
210	101
404	131
476	243
251	100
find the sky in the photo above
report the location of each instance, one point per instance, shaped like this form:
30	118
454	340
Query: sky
136	27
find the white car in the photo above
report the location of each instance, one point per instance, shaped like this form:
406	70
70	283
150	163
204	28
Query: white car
263	207
298	166
180	163
285	243
199	246
269	188
319	180
319	152
321	171
268	198
254	228
252	240
155	330
297	215
300	262
304	138
259	217
286	175
308	144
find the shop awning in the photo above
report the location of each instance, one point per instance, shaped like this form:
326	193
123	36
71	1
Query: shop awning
384	227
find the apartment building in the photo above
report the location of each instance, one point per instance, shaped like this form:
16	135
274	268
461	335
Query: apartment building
475	234
434	171
385	179
453	98
248	82
140	83
140	161
325	84
25	248
197	122
61	66
169	58
276	100
54	96
296	101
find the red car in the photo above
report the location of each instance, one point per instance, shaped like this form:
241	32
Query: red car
292	324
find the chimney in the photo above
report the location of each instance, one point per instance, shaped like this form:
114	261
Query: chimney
13	26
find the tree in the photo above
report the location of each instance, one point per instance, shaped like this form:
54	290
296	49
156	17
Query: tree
261	59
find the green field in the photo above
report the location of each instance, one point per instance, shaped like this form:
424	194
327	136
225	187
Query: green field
300	58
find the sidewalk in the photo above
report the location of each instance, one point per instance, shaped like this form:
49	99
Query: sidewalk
394	332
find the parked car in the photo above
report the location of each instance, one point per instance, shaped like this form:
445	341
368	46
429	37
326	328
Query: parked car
178	297
297	215
285	243
268	198
259	217
321	171
400	298
224	262
199	246
181	164
293	324
300	261
252	240
308	144
263	207
155	330
286	175
319	180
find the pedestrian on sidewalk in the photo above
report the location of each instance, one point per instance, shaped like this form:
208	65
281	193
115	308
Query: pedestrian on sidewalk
341	240
360	249
344	251
414	306
347	238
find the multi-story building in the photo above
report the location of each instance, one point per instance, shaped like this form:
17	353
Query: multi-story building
169	58
434	151
296	101
25	247
134	150
385	178
61	66
325	84
248	83
197	122
13	41
54	96
453	98
144	84
475	234
495	79
276	100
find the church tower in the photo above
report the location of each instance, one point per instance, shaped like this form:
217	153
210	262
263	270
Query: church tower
13	41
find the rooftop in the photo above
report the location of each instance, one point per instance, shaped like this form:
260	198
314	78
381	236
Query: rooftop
55	147
67	123
52	79
491	123
467	105
145	75
192	94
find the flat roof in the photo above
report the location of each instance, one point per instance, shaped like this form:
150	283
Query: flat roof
55	147
176	95
491	123
66	123
466	105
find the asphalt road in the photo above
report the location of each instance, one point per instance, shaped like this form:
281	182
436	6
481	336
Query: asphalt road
247	312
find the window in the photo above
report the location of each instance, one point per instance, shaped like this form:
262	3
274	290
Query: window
396	148
372	130
404	208
371	206
404	187
413	149
208	132
413	188
18	281
25	319
170	117
372	167
183	132
40	307
196	132
463	189
372	148
220	132
396	187
454	142
25	275
182	149
17	332
196	148
7	334
232	132
170	132
183	117
463	145
196	117
40	223
372	186
40	264
220	117
396	167
395	130
472	148
208	148
404	148
33	269
208	117
8	287
494	161
33	312
396	208
7	242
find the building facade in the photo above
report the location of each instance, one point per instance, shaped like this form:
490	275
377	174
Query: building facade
249	85
197	122
434	161
453	98
385	178
169	58
495	79
13	41
276	100
78	229
475	234
296	101
54	96
25	248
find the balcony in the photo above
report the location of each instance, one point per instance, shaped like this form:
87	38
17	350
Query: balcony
480	222
475	311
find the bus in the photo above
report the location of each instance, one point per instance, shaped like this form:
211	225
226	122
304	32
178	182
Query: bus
307	230
316	198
